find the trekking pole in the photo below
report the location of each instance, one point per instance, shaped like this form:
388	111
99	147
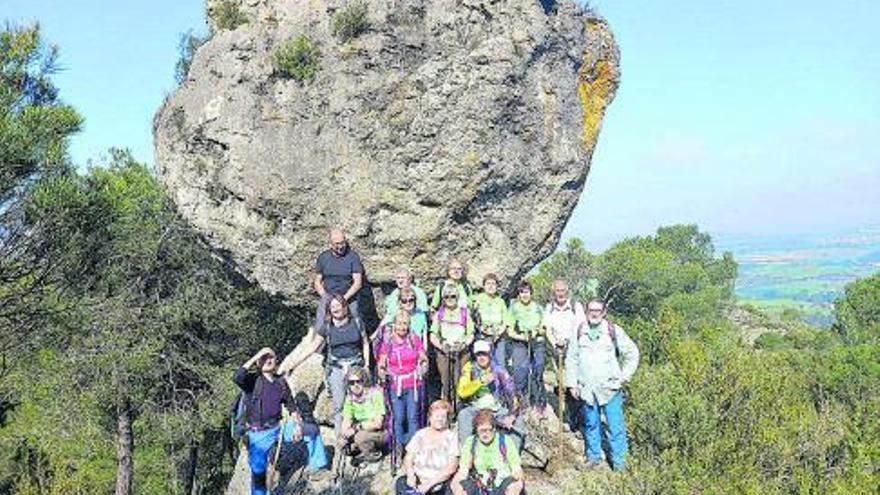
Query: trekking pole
448	373
529	364
454	379
389	405
270	479
560	392
340	464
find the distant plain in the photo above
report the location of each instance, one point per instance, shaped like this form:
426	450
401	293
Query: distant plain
805	273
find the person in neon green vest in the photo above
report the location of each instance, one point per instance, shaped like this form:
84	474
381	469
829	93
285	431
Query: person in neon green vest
492	319
527	344
457	277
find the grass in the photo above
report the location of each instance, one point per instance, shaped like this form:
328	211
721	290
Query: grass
228	15
351	21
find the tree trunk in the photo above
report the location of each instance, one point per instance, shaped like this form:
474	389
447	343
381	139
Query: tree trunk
189	474
124	448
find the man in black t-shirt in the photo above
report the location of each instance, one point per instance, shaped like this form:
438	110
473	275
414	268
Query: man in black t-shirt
338	271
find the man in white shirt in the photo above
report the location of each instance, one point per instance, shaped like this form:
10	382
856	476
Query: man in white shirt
562	317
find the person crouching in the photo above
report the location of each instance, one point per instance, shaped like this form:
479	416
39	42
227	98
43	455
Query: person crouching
489	463
363	416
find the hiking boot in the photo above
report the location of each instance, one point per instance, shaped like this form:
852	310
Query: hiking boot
594	464
541	412
398	455
372	457
320	475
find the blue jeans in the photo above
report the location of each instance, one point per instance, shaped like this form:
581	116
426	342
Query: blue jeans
315	446
592	431
404	409
259	446
499	352
519	355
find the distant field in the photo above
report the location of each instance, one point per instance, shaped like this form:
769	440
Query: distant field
804	273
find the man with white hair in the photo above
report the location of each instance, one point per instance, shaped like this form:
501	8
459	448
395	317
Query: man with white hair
600	359
338	271
562	317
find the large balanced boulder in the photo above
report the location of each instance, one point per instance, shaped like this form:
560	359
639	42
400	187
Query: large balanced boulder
448	128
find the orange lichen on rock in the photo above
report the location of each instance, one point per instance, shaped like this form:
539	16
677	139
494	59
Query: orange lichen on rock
596	85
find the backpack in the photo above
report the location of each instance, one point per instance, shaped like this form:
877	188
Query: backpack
328	356
462	316
502	447
612	332
239	408
391	347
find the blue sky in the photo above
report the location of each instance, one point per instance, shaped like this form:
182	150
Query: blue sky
749	117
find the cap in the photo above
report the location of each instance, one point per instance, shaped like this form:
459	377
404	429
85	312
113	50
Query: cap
482	346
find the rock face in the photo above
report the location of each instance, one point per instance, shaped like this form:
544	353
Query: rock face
450	128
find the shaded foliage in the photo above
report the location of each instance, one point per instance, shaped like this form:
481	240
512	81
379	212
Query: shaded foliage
152	324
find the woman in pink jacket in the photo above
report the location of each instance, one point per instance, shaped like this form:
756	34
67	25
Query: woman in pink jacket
403	362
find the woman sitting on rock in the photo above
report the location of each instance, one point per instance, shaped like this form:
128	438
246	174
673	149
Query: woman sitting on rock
431	455
402	362
347	347
490	463
363	416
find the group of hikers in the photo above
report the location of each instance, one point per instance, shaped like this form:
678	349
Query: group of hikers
454	355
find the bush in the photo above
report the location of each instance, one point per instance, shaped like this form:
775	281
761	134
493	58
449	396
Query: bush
297	58
351	21
858	311
228	15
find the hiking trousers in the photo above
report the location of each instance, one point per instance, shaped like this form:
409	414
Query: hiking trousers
260	443
369	441
522	365
472	487
592	431
443	369
405	414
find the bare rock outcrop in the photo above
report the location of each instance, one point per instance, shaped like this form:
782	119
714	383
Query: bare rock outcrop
449	127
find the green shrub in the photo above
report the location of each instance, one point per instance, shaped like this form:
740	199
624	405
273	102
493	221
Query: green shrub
351	21
858	311
297	58
228	15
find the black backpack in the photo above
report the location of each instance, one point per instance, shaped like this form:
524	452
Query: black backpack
238	411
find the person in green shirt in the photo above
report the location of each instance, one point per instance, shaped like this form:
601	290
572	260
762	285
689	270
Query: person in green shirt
457	277
528	338
490	464
452	332
363	416
491	318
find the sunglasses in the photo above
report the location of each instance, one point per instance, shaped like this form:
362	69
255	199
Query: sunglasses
451	296
407	301
355	382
